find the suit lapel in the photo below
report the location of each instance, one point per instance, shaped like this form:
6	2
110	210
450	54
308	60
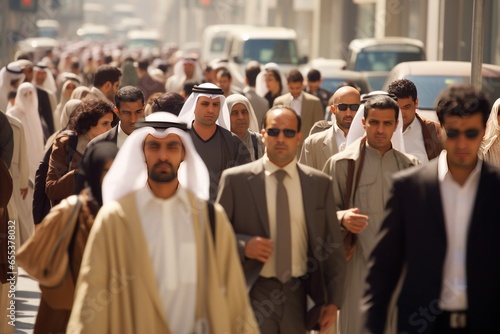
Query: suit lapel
256	181
307	187
328	144
431	182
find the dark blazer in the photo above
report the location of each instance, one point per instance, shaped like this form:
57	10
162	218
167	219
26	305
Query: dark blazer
413	236
243	196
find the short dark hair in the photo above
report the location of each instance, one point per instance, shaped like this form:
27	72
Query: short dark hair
170	102
381	102
403	88
295	76
87	114
188	86
106	73
128	94
143	64
462	101
313	76
224	73
251	71
280	106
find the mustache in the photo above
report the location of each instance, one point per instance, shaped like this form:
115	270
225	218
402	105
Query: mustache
163	163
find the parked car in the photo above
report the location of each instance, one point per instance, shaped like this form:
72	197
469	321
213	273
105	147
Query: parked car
431	77
333	78
382	54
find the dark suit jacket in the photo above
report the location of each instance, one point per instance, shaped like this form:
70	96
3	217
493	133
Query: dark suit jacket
45	112
413	235
243	196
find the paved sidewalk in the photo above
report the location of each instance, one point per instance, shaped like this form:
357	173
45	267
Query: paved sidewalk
27	301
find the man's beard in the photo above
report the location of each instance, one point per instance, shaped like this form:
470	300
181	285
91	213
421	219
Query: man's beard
162	177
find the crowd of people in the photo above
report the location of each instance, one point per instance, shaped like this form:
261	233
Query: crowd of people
278	207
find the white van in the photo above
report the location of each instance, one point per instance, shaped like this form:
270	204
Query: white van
265	45
214	40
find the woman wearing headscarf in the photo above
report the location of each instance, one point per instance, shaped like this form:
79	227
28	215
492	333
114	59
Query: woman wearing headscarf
92	169
244	124
93	117
26	110
67	90
491	142
261	86
129	77
80	93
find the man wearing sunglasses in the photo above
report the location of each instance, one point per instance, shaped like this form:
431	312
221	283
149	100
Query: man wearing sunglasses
441	226
362	180
288	234
320	146
420	135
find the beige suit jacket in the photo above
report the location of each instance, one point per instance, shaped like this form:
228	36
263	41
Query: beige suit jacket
318	148
312	111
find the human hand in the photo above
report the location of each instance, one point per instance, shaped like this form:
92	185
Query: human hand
354	222
259	248
328	317
24	192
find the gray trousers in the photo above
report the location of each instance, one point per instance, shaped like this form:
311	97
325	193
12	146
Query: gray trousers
279	308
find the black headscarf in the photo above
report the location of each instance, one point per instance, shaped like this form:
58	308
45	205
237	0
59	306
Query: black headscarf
95	158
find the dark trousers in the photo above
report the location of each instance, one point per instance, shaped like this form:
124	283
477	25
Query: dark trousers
279	308
452	323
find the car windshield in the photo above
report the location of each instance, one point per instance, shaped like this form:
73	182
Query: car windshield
281	51
428	88
385	57
218	44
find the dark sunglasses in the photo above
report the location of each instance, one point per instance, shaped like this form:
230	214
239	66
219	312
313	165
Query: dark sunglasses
273	132
469	134
344	106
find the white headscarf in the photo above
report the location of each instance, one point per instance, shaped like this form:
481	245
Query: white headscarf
26	110
186	114
7	74
234	99
357	130
260	83
68	108
50	83
176	82
59	109
193	173
492	127
78	92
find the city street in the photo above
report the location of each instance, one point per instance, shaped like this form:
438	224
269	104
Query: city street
27	300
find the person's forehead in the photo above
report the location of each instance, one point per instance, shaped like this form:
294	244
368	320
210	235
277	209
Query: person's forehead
239	106
171	137
202	98
284	116
377	113
474	120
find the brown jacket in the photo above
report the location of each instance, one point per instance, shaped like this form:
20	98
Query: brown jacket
60	182
430	132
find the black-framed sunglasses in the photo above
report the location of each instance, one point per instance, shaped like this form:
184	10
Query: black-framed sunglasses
344	106
274	132
469	133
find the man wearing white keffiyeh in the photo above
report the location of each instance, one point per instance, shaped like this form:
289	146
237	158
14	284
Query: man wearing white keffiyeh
207	113
152	248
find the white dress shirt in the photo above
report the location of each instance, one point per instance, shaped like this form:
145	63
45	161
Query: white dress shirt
414	141
121	136
340	137
297	218
169	232
296	104
458	203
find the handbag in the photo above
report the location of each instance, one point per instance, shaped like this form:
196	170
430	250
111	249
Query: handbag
45	255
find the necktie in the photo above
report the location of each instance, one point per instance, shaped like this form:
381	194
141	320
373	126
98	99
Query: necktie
283	235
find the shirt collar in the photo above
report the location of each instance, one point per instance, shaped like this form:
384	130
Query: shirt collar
338	130
145	197
270	167
412	124
443	169
297	99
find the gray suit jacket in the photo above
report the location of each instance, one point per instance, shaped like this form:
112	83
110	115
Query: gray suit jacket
312	110
259	104
242	194
318	148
